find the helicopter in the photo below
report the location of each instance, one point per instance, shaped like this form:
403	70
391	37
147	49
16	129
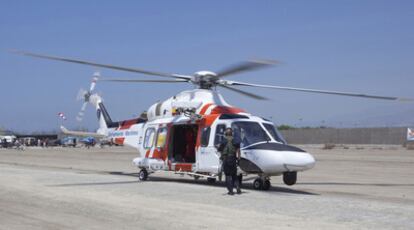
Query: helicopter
181	134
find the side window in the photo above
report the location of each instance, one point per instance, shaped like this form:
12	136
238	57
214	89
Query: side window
149	138
161	137
219	136
205	136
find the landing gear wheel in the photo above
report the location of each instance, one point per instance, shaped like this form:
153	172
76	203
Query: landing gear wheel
266	185
258	184
290	178
143	175
211	180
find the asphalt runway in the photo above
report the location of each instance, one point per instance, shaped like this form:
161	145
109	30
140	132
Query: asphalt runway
369	187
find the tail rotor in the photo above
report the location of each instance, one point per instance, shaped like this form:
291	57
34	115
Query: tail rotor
85	96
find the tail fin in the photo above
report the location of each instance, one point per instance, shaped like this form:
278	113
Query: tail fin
105	121
104	117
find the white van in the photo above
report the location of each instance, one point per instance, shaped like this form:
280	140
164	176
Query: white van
9	138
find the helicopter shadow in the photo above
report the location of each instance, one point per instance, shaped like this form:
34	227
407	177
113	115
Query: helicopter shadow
199	182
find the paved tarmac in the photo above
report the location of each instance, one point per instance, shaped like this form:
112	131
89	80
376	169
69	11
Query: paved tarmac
369	187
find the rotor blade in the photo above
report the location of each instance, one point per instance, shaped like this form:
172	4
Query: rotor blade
83	107
137	80
93	84
95	78
135	70
244	92
81	94
320	91
79	117
246	66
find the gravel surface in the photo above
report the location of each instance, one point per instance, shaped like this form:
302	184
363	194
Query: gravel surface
357	187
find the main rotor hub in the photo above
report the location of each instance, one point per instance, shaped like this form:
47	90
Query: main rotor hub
205	79
86	96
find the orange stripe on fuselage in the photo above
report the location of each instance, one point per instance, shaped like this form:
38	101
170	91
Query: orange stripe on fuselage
119	140
209	119
205	122
204	109
127	124
156	154
226	110
165	149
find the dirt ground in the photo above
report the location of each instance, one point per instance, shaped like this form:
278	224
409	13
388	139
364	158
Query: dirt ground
362	187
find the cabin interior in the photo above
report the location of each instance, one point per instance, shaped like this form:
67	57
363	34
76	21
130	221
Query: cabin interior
183	142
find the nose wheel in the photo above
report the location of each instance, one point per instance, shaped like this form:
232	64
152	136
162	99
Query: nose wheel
261	184
143	175
290	178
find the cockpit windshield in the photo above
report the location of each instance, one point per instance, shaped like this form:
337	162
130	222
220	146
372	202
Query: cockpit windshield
248	133
275	134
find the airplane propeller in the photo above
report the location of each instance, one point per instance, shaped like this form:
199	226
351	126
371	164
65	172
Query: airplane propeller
208	80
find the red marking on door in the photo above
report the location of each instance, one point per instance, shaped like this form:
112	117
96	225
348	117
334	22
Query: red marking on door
185	167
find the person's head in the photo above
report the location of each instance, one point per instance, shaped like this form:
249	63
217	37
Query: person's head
228	132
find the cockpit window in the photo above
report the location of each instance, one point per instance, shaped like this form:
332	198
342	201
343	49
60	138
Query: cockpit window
275	134
248	133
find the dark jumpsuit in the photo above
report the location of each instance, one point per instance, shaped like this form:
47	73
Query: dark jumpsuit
230	165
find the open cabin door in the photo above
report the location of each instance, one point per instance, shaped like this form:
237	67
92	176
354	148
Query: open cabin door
182	147
208	158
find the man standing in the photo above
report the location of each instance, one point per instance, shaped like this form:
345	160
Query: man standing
230	153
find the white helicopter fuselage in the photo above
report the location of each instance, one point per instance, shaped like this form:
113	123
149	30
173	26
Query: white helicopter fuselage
183	132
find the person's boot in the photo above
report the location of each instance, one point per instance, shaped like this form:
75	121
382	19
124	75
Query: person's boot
238	191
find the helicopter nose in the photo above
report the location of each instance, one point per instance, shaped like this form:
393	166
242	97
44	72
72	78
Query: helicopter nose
298	161
275	158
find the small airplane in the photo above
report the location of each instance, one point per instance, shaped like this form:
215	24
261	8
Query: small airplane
181	133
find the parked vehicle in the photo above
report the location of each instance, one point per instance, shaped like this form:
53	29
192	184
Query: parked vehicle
68	142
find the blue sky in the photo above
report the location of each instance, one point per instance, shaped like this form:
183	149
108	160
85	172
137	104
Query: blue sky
360	46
